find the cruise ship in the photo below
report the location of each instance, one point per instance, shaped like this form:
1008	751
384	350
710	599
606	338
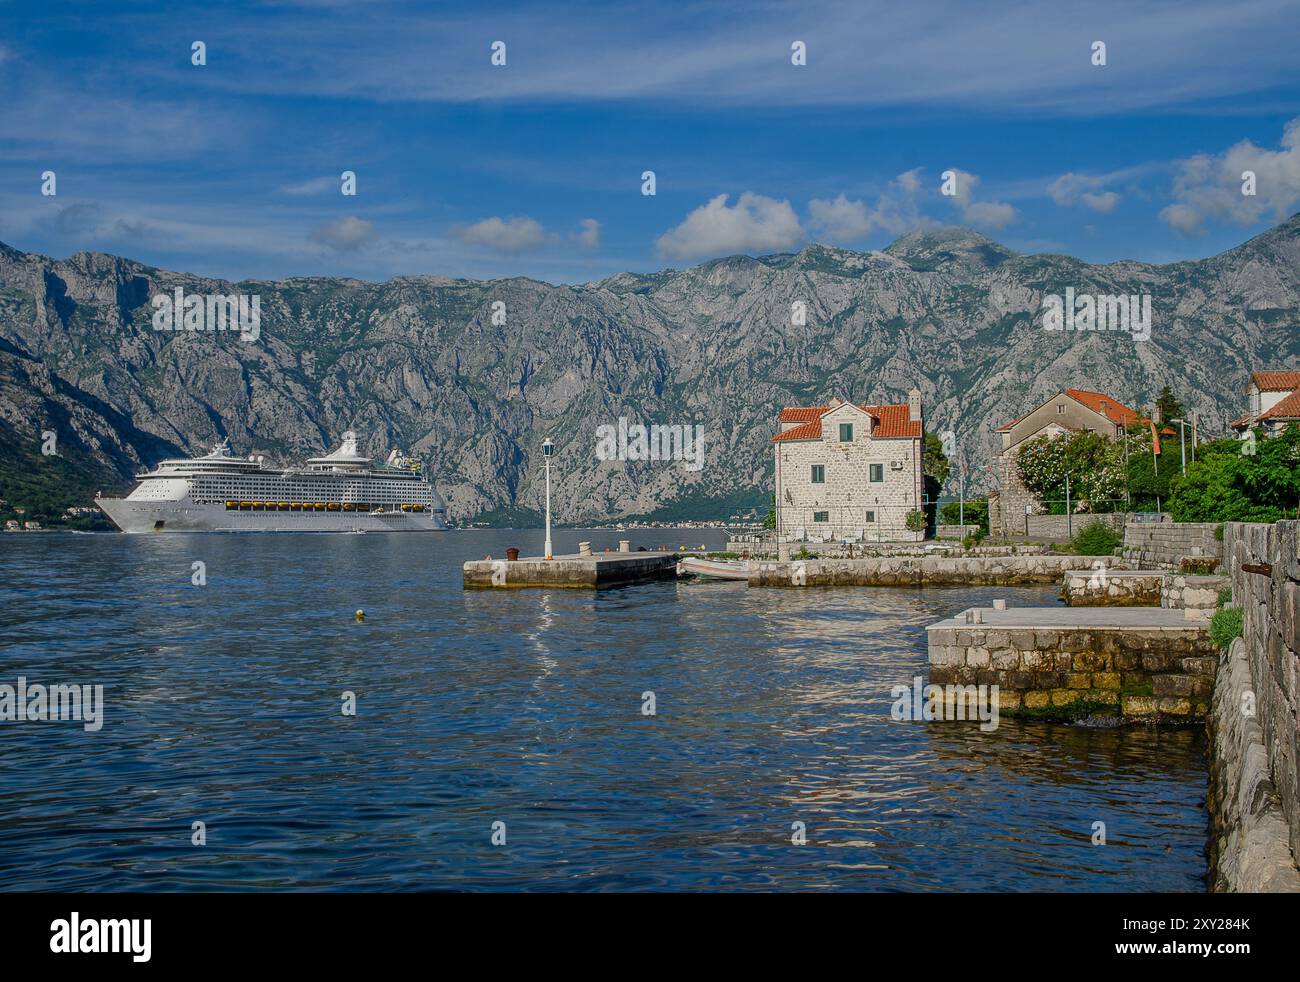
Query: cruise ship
343	491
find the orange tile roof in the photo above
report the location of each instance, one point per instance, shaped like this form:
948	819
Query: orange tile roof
1098	402
892	422
1276	381
1288	408
801	414
808	431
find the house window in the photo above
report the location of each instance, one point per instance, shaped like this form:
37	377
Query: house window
877	473
846	433
1060	409
871	516
821	516
819	473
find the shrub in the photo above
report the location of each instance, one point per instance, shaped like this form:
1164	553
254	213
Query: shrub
1198	565
915	521
1225	597
976	512
1096	539
1218	532
1225	627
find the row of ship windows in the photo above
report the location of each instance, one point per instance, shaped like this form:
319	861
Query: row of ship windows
309	506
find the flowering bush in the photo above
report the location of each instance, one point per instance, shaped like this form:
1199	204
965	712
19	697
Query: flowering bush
1095	466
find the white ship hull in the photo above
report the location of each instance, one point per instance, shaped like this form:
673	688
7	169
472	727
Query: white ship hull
188	516
343	491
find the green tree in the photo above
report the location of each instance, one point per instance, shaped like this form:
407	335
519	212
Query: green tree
1169	405
934	471
934	463
1148	480
1227	483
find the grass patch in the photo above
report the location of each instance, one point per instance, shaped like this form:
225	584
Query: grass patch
1226	626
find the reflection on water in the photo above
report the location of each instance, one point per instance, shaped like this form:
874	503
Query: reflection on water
222	705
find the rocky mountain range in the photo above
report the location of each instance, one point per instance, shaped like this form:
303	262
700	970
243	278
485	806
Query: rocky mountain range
472	376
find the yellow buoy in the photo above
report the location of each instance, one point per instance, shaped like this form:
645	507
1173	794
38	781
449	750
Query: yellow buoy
360	615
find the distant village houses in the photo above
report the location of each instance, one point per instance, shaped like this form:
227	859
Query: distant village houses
849	473
1273	399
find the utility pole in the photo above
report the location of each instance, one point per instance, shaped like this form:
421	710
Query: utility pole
1069	518
1182	441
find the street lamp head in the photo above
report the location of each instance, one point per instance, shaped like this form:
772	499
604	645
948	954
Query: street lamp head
548	448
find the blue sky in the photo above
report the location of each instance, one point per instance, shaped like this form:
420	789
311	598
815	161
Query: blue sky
463	168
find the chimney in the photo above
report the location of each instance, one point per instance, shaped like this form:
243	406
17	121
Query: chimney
914	405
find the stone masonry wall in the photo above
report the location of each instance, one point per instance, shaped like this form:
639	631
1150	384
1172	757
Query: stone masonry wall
1168	543
1064	526
1147	675
1265	760
1105	587
928	571
1249	851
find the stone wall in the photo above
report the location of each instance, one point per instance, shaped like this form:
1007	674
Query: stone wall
1249	850
1184	592
1140	674
1065	526
1150	544
954	531
1255	731
928	571
1104	587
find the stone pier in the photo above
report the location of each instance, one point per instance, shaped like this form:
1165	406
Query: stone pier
917	571
590	572
1138	664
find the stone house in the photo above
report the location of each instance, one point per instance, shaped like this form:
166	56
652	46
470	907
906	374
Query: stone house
1274	401
1069	411
847	472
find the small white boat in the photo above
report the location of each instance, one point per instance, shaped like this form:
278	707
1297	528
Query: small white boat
713	569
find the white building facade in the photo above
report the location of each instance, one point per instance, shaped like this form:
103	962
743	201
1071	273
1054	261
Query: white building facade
849	473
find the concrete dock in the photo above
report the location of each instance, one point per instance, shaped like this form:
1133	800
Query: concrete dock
591	572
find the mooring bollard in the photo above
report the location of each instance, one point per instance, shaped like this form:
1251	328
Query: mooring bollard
512	554
624	545
584	548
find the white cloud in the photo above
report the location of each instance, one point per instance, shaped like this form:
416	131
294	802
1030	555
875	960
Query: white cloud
1209	186
1071	189
844	221
589	237
989	214
1019	58
1183	219
754	224
345	234
503	234
840	220
985	214
1103	202
317	185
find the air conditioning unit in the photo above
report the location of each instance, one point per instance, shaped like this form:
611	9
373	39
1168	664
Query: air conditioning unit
895	465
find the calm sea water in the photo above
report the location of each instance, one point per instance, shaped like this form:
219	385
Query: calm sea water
524	707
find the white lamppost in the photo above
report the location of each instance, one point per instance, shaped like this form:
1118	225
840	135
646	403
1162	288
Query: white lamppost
1182	441
548	448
